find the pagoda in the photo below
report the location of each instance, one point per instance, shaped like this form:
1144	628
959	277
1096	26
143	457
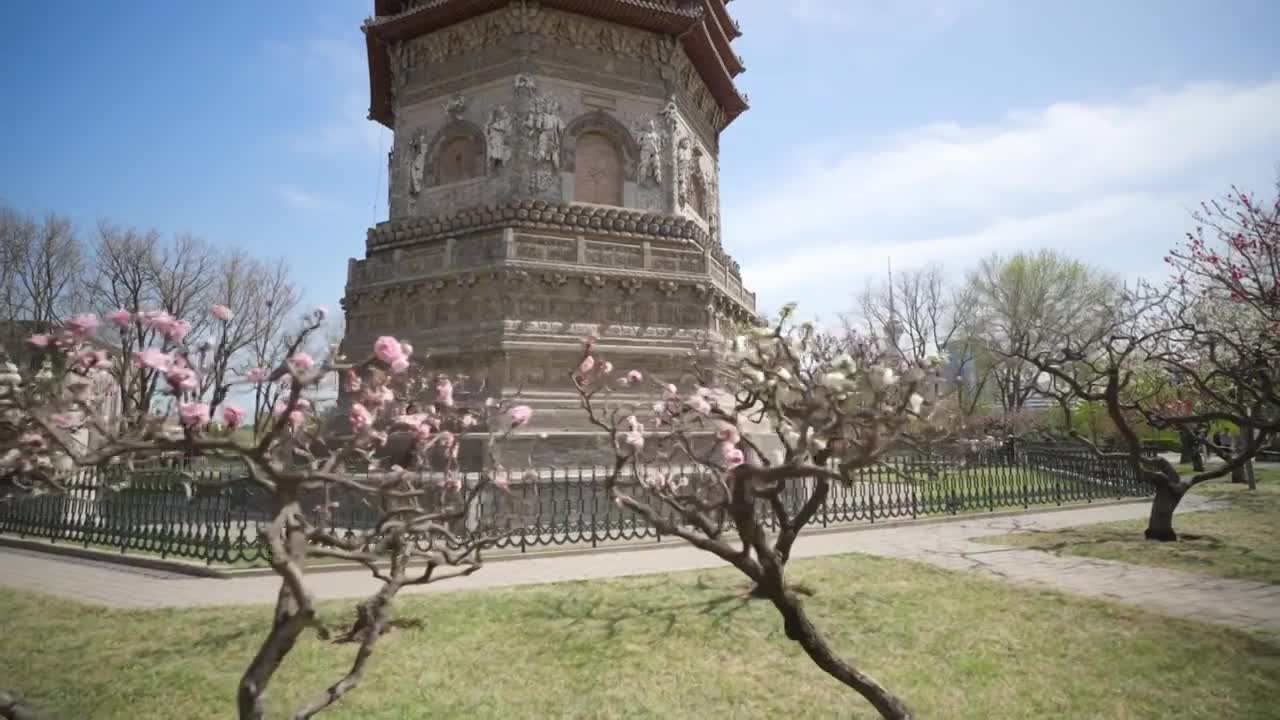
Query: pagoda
553	175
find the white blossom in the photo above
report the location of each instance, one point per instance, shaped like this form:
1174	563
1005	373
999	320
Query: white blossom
833	380
915	402
882	377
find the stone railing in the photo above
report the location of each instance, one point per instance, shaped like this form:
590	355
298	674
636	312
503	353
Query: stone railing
503	249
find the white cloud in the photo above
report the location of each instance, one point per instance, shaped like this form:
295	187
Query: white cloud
304	200
1107	181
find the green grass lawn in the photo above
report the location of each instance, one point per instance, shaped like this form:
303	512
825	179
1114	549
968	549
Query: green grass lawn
685	645
1239	542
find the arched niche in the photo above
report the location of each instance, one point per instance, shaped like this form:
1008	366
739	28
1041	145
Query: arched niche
598	169
698	195
456	154
601	123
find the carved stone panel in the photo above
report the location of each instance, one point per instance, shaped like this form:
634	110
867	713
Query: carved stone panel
472	251
614	255
676	260
547	249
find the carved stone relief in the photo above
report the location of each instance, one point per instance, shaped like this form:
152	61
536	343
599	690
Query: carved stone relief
650	141
684	160
497	152
455	106
567	30
545	128
418	150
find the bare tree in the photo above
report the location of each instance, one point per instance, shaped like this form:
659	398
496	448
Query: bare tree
920	314
123	262
49	273
17	236
250	299
1023	301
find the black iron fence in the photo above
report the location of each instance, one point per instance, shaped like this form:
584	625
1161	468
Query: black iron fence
214	515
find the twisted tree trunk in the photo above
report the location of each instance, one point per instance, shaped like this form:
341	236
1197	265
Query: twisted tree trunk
800	630
1160	524
294	612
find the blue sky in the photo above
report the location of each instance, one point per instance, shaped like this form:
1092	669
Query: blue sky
921	131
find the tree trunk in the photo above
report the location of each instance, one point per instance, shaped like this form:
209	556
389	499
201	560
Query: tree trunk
1187	442
1160	525
799	629
1238	476
12	708
292	616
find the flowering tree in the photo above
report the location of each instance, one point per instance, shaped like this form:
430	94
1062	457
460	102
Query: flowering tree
295	461
1227	308
1202	350
823	418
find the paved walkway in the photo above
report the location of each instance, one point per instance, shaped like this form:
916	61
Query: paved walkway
1238	603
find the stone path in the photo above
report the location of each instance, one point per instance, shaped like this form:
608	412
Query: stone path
1237	603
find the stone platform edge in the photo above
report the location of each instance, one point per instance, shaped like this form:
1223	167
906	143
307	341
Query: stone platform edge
185	567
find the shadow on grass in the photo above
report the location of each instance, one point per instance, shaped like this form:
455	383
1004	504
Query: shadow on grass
609	615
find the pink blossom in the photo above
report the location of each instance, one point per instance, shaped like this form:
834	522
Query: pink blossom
40	341
406	349
352	382
360	417
120	318
468	421
34	441
153	358
452	481
588	363
256	375
634	438
699	404
156	319
83	324
414	421
606	367
221	312
177	330
194	415
669	392
728	434
181	379
232	416
387	349
635	376
520	415
90	359
733	457
295	419
67	420
387	395
444	393
302	362
446	439
502	479
399	365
